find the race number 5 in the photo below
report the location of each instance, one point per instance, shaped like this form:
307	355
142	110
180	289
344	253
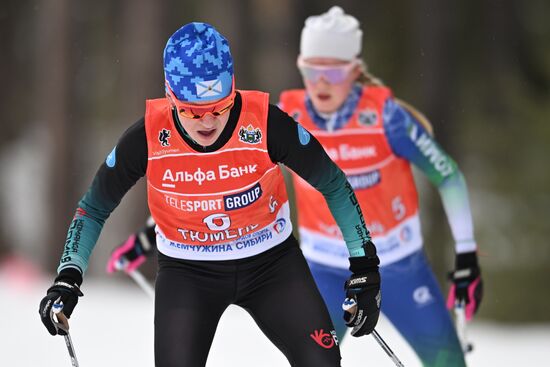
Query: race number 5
398	208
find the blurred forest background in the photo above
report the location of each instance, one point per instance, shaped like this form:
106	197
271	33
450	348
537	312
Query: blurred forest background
75	75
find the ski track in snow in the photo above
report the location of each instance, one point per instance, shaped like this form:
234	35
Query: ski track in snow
113	326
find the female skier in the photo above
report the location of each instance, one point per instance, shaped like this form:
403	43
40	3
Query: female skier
375	138
223	232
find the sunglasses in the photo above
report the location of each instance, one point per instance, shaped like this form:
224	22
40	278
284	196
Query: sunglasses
198	111
333	74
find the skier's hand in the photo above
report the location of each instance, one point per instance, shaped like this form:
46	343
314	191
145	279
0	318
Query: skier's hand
362	303
129	255
467	285
65	290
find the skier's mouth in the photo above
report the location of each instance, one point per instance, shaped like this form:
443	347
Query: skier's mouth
206	133
323	96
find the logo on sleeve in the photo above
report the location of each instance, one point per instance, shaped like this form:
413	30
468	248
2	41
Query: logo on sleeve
111	158
303	135
250	135
429	148
163	137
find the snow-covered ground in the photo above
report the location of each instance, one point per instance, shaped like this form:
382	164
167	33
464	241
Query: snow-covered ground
113	326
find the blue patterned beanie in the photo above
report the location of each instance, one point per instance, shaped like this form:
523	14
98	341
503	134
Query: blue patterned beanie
197	64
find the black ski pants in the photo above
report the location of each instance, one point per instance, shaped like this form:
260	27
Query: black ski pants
275	287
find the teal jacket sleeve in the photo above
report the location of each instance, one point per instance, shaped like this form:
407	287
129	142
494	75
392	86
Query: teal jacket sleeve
410	139
123	167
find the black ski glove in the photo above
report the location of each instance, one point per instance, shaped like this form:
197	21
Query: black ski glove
362	304
66	290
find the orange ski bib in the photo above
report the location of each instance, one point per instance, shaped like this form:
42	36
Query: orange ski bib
221	205
383	184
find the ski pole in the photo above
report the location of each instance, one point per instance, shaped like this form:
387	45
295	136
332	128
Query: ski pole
386	348
143	283
137	277
350	305
63	324
460	324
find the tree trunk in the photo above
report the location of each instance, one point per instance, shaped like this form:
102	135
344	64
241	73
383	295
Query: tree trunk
50	102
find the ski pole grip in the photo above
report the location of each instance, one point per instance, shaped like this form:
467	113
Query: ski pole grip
62	320
350	305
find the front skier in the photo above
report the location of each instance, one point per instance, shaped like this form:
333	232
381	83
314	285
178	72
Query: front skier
224	235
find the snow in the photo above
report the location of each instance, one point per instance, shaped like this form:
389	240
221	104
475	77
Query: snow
113	326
